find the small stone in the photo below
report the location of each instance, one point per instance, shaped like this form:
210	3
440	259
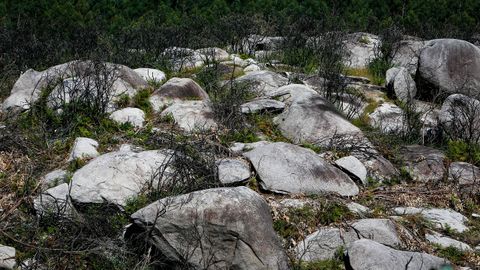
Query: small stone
84	148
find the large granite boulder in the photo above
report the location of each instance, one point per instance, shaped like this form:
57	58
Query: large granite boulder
451	65
366	254
361	48
287	168
191	115
459	118
423	163
118	176
177	89
263	82
407	53
222	228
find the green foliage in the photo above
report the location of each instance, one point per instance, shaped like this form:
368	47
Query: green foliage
452	254
334	264
317	149
141	100
245	135
135	203
378	69
123	101
462	151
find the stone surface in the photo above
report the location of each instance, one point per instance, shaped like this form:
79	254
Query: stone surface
464	173
358	208
134	116
7	257
324	243
424	164
117	176
287	168
460	117
389	118
354	167
366	254
401	84
233	171
312	119
262	105
54	201
239	148
441	218
233	230
444	242
54	178
263	82
251	68
84	148
151	75
407	54
191	115
361	49
213	54
451	65
177	89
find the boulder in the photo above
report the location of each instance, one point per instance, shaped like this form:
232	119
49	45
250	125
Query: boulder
401	83
310	118
191	115
251	68
459	118
287	168
445	242
451	65
84	148
464	173
263	82
76	76
424	164
118	176
352	166
54	178
407	53
441	218
134	116
324	243
55	201
388	118
198	229
361	49
213	54
7	257
233	171
365	254
358	208
177	89
183	58
151	75
262	105
239	148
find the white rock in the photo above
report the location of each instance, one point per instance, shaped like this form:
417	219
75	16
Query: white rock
353	166
441	218
260	105
233	171
263	82
464	173
134	116
84	148
444	242
239	148
358	208
361	49
55	201
7	257
150	74
54	178
191	115
251	68
389	118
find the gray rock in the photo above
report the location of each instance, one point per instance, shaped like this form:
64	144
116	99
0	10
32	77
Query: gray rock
54	178
263	82
7	257
117	176
134	116
389	118
464	173
391	74
177	89
151	75
261	105
55	201
251	68
184	58
451	65
378	167
424	164
233	171
353	166
441	218
239	148
358	208
460	117
361	48
402	84
84	148
444	242
324	243
366	254
191	115
213	54
312	119
287	168
407	53
197	228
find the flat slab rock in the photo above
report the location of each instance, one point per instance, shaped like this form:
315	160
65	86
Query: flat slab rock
441	218
444	241
230	226
233	171
287	168
117	176
191	115
324	243
366	254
